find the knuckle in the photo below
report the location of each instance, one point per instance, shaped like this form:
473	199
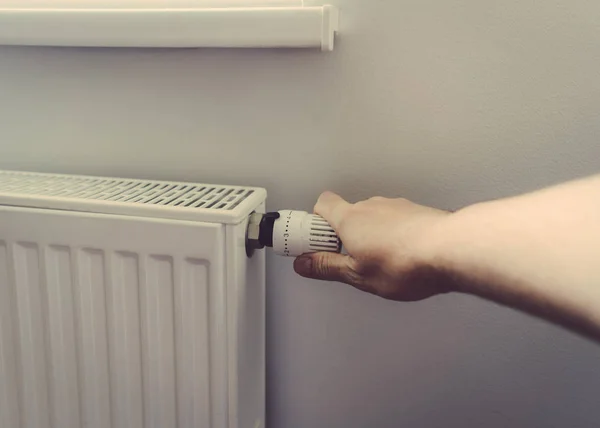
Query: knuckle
360	209
324	267
319	204
322	200
343	224
352	274
346	219
320	266
324	194
317	208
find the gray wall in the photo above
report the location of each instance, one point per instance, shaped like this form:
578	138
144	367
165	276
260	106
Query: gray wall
447	102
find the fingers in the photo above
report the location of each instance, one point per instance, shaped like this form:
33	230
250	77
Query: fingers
327	267
332	208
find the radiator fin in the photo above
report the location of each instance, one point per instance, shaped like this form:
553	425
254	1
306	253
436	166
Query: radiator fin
158	327
192	302
64	379
93	350
9	381
125	345
31	326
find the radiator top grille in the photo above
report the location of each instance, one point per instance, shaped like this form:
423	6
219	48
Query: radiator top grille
162	199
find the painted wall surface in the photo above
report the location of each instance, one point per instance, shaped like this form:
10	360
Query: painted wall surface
445	102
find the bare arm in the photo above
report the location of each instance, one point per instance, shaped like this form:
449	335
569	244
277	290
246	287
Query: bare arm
538	252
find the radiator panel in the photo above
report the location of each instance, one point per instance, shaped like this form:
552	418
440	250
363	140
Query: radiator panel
105	325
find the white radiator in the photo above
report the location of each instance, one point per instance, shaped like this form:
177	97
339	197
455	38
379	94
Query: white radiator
129	304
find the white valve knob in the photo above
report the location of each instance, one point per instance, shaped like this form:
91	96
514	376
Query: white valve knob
298	232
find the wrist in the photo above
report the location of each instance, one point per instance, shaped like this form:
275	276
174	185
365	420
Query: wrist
448	250
426	264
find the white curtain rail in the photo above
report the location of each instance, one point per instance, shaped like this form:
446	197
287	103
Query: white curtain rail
251	27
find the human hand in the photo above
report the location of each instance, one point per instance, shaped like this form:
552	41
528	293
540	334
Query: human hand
388	244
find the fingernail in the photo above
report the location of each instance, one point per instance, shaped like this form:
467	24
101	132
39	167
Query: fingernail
303	265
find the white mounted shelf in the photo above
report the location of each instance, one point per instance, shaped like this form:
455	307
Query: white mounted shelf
253	27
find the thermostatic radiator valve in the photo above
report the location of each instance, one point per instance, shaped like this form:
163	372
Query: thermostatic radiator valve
291	233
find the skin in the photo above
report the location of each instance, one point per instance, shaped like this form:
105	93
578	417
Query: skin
538	252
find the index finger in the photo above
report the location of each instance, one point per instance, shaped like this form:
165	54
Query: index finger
332	208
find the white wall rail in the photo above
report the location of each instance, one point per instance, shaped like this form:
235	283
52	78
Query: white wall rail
231	27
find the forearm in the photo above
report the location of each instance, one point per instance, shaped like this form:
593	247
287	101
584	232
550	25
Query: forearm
539	252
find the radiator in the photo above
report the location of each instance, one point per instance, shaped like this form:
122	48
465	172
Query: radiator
129	304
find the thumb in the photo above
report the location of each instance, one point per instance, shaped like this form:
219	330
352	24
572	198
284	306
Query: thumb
327	267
